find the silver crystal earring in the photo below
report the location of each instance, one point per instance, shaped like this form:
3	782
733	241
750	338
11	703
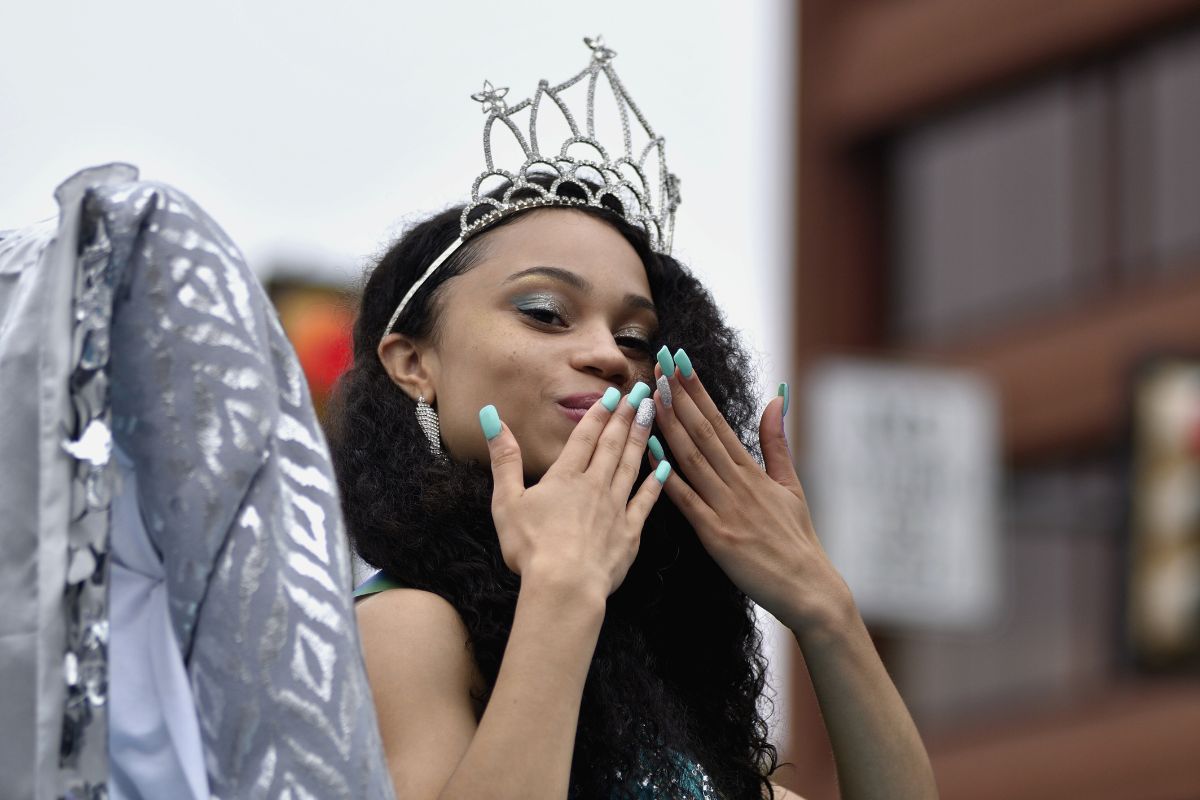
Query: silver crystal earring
427	418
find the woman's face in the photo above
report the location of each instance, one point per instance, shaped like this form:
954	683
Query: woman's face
557	310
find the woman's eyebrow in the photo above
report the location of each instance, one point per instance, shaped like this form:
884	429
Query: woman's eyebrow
577	281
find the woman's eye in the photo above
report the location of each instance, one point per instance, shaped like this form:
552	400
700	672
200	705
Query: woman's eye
543	315
548	316
636	343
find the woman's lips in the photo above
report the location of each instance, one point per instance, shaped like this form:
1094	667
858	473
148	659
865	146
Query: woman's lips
574	414
576	405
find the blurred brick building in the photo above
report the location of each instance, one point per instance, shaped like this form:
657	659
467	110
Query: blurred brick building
1013	187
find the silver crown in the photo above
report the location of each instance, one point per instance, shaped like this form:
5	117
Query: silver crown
591	170
583	171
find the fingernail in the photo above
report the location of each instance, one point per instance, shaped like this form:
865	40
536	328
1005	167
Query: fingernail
786	394
656	448
664	361
664	390
683	362
639	392
664	469
611	396
645	412
489	420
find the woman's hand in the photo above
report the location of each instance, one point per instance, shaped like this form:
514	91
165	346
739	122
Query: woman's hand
754	523
756	526
578	523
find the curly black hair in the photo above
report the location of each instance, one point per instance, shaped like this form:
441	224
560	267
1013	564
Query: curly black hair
678	668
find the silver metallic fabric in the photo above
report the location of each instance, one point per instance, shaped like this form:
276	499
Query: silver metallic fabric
235	488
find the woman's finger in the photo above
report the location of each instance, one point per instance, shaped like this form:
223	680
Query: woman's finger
639	507
697	512
635	444
702	419
505	453
777	456
577	453
689	459
611	444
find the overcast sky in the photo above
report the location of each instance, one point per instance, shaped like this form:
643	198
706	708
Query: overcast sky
317	128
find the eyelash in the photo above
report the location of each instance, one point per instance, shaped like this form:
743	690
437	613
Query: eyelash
534	313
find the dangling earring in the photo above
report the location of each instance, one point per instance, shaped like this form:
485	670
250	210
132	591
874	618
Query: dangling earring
427	418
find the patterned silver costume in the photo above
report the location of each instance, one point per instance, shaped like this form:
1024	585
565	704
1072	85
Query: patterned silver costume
133	319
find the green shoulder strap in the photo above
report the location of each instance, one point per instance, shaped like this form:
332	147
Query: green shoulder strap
375	584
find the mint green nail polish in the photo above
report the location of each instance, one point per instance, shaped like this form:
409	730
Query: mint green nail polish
639	393
489	420
786	394
683	362
664	361
656	448
664	469
611	396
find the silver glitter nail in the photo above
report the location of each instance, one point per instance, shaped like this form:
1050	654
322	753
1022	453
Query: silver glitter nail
664	390
645	412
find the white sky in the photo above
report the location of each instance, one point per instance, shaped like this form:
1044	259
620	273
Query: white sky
312	131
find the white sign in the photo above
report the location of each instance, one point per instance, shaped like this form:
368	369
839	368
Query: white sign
903	479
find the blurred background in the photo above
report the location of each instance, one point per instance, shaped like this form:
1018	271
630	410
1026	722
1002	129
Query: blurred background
966	231
997	316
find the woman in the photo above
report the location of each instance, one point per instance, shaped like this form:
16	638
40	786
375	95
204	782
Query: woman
545	624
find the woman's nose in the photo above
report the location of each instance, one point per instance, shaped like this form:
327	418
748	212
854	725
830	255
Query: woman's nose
598	353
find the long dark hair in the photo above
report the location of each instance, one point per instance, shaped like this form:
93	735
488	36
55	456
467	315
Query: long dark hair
678	669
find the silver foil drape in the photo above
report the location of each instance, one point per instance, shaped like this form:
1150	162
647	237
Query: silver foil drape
134	319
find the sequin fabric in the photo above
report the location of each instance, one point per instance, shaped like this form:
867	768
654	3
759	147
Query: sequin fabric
237	493
56	301
689	782
89	443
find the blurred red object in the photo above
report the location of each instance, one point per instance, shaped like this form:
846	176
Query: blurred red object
318	320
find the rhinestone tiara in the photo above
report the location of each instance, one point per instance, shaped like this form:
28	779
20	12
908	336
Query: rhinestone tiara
583	172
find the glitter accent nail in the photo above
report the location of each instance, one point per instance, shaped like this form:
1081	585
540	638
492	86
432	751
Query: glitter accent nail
664	390
645	412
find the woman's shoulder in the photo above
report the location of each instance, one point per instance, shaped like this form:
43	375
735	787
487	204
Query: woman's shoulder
417	637
384	604
392	605
384	601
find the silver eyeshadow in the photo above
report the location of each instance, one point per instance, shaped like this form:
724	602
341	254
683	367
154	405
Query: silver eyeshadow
543	301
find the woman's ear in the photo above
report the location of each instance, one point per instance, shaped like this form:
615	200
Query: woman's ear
408	364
